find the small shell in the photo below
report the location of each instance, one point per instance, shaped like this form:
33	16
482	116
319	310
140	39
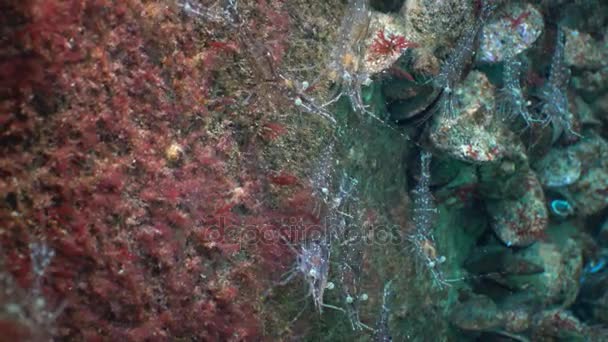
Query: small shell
174	152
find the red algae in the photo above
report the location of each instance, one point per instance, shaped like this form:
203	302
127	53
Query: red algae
93	92
390	44
283	179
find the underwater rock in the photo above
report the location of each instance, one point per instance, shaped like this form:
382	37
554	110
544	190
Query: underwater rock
560	167
578	172
516	319
472	131
591	83
497	322
582	51
509	34
558	323
437	26
592	150
476	314
437	23
590	193
562	263
520	222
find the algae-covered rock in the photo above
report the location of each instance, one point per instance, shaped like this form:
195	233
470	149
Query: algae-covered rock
591	84
506	35
478	313
558	168
590	193
471	131
521	221
560	324
517	319
437	23
582	51
561	260
592	150
385	43
579	173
